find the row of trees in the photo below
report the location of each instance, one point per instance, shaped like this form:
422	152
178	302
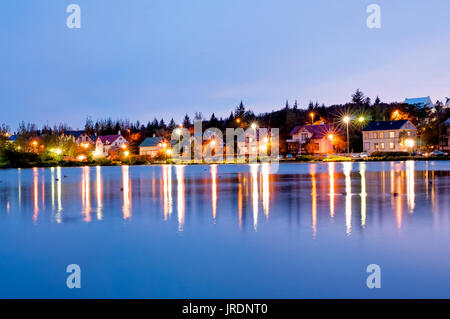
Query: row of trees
286	118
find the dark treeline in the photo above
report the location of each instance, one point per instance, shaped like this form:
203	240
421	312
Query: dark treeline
286	118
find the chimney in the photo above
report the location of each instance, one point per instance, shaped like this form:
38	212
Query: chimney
154	135
119	133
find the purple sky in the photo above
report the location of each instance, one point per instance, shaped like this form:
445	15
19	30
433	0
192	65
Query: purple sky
140	59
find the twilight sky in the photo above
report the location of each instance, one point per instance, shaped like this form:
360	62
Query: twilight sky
138	59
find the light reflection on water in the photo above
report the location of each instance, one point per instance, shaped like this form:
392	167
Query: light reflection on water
254	185
240	231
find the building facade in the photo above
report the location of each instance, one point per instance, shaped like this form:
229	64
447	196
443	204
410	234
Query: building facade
104	145
316	135
389	136
79	137
151	146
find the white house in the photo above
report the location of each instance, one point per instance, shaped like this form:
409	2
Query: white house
104	145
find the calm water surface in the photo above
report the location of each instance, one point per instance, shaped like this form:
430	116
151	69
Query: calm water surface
232	231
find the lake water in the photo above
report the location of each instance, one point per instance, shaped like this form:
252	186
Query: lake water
227	231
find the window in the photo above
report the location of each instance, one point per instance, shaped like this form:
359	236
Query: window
382	146
391	134
375	145
375	135
366	146
304	136
366	136
381	134
409	133
391	145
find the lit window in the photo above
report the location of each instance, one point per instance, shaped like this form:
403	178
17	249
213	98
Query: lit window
366	146
366	136
375	135
391	145
382	146
381	134
375	146
392	134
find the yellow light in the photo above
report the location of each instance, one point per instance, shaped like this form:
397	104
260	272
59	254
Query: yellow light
238	120
346	119
34	143
266	139
164	145
18	148
58	151
126	153
254	126
85	145
213	142
330	137
123	146
169	151
361	119
410	142
178	131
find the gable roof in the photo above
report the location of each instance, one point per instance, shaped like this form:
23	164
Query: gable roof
151	141
13	138
317	131
447	101
385	125
75	134
420	101
108	139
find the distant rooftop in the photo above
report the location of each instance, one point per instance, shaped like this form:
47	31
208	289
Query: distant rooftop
151	141
385	125
419	101
318	131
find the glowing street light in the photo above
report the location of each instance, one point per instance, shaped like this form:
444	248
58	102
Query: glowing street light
361	119
346	120
213	142
331	137
169	152
126	153
266	139
124	146
254	125
238	120
58	151
312	117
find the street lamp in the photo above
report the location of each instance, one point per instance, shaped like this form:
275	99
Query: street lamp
361	119
312	117
346	120
254	126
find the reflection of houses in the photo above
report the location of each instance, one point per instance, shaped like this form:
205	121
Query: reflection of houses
315	135
389	136
151	146
104	145
79	137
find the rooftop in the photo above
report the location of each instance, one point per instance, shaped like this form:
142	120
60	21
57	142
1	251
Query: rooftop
385	125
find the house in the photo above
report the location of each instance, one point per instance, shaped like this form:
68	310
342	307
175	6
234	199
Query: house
421	102
104	145
389	136
321	136
12	138
79	137
447	103
446	144
151	146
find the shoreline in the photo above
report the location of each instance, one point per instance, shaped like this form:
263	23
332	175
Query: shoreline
5	166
